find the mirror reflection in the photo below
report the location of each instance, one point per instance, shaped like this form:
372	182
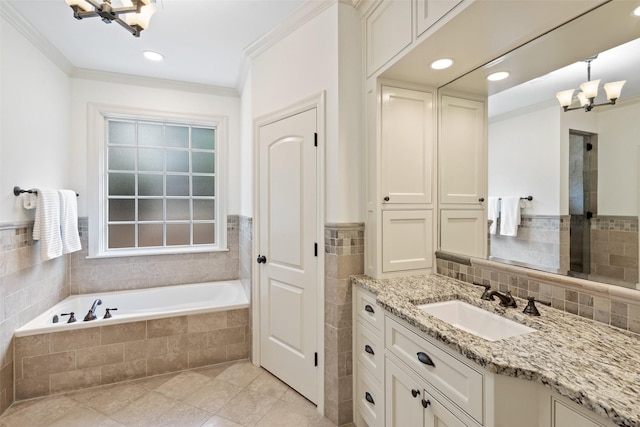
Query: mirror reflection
579	166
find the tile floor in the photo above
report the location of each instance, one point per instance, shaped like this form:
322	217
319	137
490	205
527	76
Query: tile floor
227	395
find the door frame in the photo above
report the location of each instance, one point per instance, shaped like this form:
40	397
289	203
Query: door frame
316	101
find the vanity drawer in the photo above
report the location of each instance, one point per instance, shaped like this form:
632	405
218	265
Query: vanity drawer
369	398
460	383
369	350
366	308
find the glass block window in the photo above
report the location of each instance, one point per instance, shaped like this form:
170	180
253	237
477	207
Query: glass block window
160	185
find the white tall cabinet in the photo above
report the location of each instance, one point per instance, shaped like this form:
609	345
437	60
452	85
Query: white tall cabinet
402	202
462	163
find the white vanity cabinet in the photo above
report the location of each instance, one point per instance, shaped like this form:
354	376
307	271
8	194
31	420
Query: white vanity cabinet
462	160
368	354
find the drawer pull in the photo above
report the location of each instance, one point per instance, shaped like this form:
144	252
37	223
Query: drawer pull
424	358
368	309
368	349
415	392
368	397
425	403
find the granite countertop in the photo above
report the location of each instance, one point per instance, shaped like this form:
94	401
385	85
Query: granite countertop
591	363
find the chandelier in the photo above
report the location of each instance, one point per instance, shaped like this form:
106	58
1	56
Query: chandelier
589	92
136	13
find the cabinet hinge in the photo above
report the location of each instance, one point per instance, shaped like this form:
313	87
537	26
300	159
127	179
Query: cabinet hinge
315	249
315	359
315	139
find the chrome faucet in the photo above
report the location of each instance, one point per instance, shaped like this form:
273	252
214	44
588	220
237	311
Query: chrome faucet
91	315
506	300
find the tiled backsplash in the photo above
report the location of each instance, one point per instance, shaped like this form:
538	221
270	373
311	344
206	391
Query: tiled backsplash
28	287
81	358
603	303
614	249
117	274
344	256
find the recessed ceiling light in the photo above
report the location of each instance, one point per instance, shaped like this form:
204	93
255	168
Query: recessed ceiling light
500	75
441	64
153	56
636	11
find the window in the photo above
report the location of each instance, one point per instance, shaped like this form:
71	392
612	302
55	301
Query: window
160	186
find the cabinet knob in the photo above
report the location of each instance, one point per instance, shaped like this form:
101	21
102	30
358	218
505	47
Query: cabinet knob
368	309
368	349
386	198
425	403
261	259
481	199
369	399
424	358
415	392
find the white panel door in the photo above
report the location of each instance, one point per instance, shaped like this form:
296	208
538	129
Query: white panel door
288	275
462	151
464	232
407	134
407	240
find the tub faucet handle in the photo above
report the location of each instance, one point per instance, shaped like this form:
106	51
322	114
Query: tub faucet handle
107	314
72	317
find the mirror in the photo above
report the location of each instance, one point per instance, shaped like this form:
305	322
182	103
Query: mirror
580	168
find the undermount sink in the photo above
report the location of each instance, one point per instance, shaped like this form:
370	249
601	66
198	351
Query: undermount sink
475	320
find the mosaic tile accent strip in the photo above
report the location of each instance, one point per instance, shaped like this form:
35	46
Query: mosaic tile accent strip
344	239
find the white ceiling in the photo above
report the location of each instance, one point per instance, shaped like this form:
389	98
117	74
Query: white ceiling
202	40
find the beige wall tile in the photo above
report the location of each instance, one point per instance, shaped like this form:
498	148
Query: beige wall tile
237	351
168	326
75	380
167	363
345	412
207	321
227	336
188	342
79	338
29	388
123	332
100	355
32	345
144	349
123	371
207	356
238	317
48	364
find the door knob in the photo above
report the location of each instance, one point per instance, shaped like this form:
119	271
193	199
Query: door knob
481	199
386	198
261	259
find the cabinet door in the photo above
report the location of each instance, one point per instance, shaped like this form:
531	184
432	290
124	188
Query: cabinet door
388	31
463	232
407	239
437	415
462	151
403	397
407	135
564	416
428	12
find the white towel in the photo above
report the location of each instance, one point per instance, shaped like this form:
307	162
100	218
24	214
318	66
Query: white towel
69	221
46	227
492	213
509	216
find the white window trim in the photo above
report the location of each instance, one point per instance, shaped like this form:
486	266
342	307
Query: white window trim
96	183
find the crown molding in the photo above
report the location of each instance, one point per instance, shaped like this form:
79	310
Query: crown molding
296	19
152	82
13	17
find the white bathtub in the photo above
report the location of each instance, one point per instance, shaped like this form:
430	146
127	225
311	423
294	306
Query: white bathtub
143	304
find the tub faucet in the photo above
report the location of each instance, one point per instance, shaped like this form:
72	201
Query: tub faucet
91	315
506	300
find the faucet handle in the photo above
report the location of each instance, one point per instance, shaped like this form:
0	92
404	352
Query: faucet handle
485	295
531	308
72	317
107	314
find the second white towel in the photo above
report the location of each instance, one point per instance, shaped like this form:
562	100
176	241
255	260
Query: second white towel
492	213
69	221
46	227
509	216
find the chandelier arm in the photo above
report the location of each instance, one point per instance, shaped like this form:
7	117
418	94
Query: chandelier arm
94	3
134	30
